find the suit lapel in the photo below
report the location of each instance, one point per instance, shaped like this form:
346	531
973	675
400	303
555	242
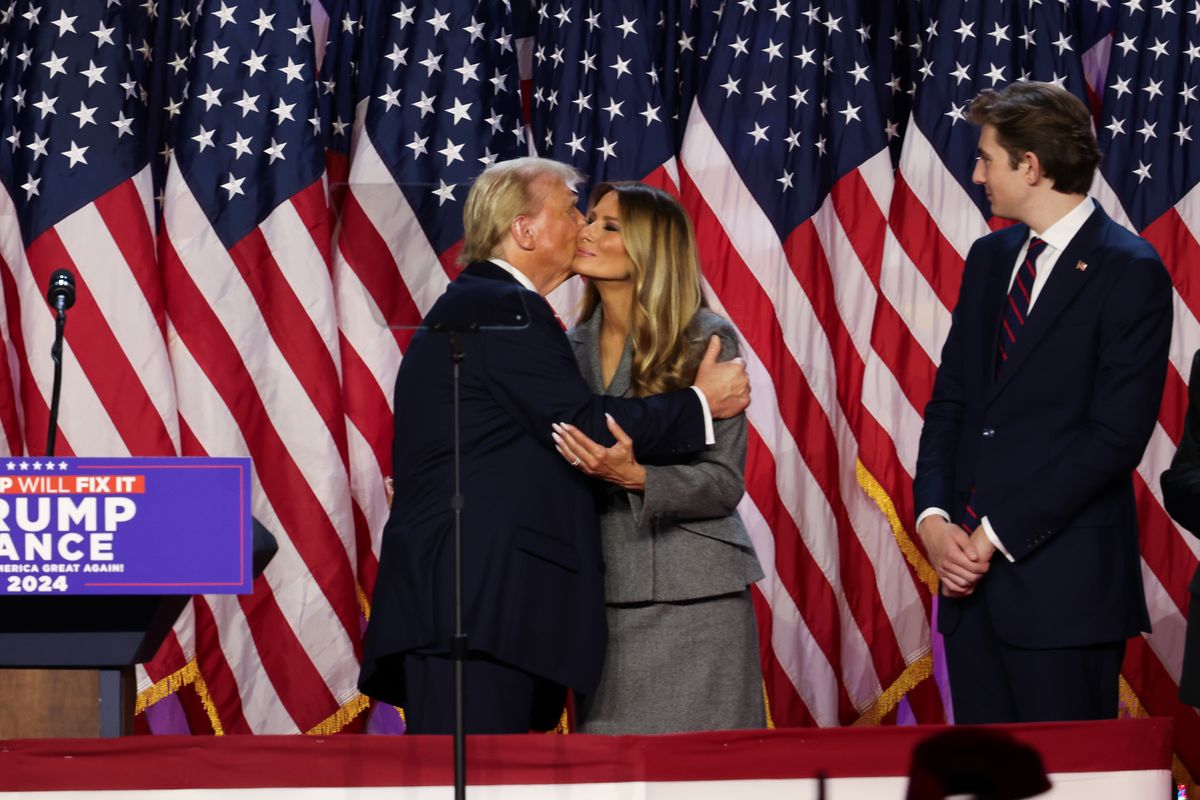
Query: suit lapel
620	380
585	340
1061	288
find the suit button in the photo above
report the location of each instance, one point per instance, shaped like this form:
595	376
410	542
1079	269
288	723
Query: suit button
989	433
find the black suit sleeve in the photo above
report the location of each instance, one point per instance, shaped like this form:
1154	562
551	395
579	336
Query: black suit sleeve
533	373
1181	483
933	486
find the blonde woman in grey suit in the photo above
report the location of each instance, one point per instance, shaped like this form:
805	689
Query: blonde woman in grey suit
683	644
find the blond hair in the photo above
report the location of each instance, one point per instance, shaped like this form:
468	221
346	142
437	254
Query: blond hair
501	193
665	268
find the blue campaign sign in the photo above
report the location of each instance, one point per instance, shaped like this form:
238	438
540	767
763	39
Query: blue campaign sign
125	526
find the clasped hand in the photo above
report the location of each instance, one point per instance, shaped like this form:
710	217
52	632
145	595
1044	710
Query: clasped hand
614	464
959	559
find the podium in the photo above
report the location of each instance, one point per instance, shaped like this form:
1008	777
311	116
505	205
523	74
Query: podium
98	557
66	663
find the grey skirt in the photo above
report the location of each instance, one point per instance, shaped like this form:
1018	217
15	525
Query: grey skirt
674	667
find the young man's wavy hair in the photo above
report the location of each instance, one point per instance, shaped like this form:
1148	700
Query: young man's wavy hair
1047	120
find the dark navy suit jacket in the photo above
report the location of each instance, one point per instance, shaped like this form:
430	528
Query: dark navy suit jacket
533	575
1051	444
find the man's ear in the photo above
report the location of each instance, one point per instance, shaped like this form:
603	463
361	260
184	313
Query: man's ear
1033	167
522	232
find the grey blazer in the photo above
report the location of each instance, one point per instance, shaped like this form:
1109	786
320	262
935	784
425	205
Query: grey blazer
680	539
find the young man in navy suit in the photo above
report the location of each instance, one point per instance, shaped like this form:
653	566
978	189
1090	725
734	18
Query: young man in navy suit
1047	392
533	581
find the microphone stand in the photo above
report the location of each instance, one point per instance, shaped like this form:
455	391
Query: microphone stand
458	642
60	322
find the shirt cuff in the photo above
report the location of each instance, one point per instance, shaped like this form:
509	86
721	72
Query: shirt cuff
991	534
932	511
709	436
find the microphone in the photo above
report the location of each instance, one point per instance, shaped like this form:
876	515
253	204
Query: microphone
61	292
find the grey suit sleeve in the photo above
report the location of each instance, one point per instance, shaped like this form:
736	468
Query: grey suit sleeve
712	482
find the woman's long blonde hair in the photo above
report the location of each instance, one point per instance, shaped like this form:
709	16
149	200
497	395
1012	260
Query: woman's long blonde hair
667	293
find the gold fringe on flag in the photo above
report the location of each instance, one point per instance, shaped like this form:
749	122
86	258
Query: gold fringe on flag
187	675
913	674
364	602
767	706
167	686
340	718
210	707
880	497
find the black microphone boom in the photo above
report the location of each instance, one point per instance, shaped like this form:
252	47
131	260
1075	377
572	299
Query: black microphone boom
61	292
61	296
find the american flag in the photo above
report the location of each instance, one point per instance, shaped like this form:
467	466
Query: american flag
251	237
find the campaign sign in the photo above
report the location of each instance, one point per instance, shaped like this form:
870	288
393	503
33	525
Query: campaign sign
125	526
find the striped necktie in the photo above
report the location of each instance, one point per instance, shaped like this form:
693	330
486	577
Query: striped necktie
1016	308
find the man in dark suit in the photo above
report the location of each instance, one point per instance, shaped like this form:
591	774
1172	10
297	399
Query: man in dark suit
1181	496
532	571
1047	392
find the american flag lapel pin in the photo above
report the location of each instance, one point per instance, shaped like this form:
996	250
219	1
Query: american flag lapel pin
1081	265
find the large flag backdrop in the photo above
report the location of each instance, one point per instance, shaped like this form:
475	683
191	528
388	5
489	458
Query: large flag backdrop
256	197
